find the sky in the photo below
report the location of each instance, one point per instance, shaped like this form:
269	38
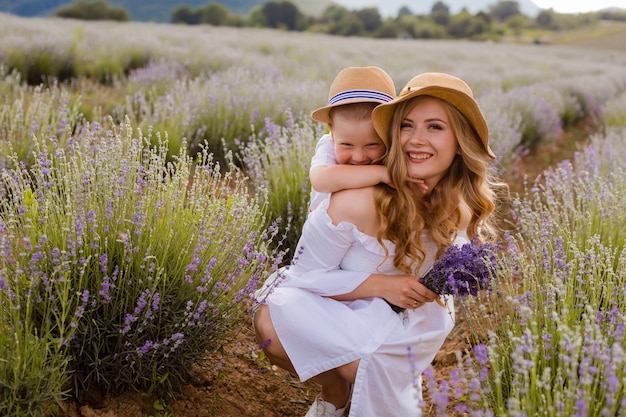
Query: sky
579	6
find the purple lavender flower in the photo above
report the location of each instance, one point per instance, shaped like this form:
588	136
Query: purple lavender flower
463	270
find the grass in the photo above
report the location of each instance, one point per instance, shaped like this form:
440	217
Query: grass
596	35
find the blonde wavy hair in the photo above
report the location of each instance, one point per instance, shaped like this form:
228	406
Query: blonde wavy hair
469	180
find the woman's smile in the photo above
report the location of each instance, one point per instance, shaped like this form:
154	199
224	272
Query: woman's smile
419	156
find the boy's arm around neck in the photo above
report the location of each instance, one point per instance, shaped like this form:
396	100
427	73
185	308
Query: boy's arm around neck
333	178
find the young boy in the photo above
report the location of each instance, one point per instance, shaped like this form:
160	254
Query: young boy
349	156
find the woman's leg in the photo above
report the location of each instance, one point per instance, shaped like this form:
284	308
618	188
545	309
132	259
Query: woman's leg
335	382
267	338
335	388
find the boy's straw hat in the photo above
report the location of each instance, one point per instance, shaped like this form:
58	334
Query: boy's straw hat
444	86
357	85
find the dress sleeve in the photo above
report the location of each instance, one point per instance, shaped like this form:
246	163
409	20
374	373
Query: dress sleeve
316	265
324	153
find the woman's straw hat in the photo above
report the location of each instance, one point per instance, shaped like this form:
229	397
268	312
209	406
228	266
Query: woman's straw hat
444	86
357	85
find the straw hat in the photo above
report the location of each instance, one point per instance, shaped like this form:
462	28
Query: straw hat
357	85
444	86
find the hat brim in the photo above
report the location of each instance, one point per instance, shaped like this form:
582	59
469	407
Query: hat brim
381	117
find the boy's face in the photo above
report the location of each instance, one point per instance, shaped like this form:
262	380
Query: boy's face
356	142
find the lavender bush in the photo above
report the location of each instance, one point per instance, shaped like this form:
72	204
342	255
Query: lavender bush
34	111
134	266
553	343
277	159
225	107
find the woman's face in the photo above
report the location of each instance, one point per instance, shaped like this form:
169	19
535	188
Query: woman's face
427	141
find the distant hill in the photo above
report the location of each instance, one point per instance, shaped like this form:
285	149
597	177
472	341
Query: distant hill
151	10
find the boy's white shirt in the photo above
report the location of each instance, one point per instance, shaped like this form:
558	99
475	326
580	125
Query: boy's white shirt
324	156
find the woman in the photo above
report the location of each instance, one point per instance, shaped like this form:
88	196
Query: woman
330	316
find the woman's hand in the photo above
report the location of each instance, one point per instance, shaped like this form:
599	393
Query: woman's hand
401	290
406	291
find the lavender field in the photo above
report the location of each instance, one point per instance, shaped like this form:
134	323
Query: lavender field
153	175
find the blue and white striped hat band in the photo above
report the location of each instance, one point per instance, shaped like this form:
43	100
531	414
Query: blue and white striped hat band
360	95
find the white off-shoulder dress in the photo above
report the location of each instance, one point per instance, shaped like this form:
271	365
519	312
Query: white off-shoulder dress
320	333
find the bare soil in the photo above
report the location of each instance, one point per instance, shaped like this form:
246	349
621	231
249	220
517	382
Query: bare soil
237	383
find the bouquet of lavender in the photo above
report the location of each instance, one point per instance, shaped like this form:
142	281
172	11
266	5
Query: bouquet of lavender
463	270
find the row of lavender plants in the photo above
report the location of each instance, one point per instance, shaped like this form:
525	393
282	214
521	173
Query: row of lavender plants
550	340
126	254
119	268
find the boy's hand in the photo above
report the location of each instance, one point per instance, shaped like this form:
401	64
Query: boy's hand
420	183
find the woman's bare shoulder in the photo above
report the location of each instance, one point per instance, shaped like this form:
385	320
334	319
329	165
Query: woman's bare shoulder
355	205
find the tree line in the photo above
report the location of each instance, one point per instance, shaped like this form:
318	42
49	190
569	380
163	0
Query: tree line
503	17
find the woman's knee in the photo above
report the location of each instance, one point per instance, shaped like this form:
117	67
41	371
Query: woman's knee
263	327
267	338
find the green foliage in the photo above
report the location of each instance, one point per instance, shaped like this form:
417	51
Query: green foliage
371	19
38	311
214	14
48	61
464	25
389	29
504	9
42	64
544	18
42	111
424	28
93	10
618	15
185	14
516	23
440	13
567	22
338	20
33	371
283	15
613	112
